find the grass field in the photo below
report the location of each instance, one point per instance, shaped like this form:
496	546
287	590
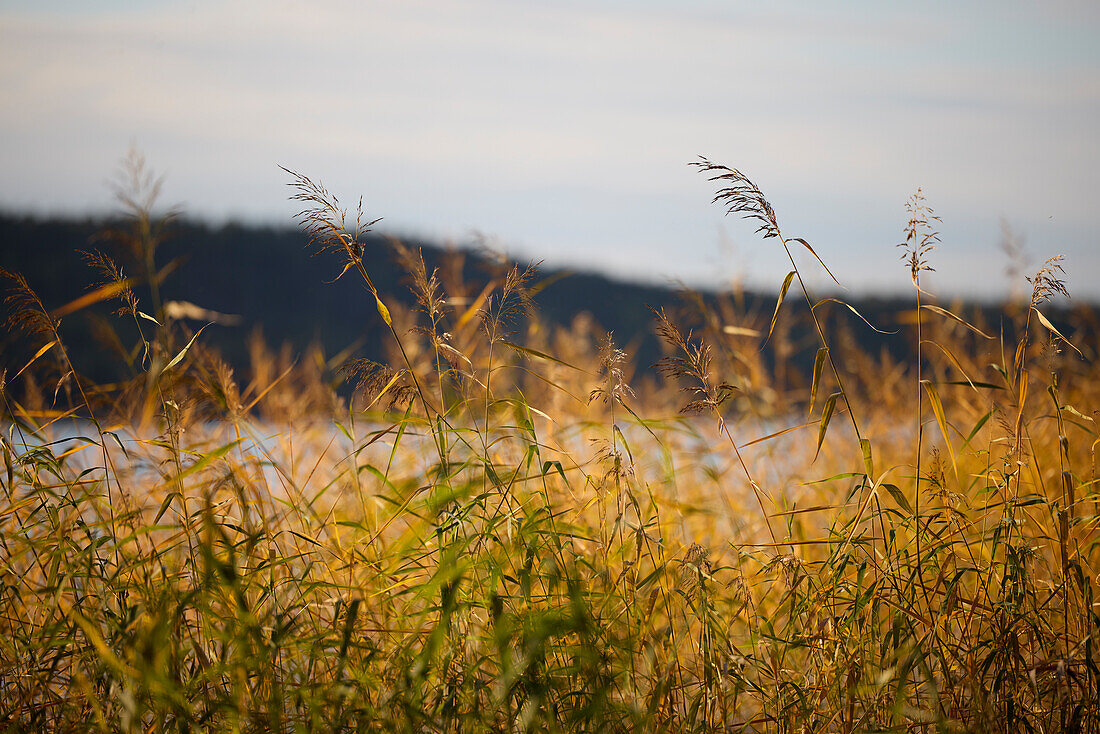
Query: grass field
514	527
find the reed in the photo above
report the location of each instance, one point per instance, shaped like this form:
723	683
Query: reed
511	526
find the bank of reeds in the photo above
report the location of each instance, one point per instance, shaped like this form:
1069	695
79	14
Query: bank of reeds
509	528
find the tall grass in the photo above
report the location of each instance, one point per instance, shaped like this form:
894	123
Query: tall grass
508	528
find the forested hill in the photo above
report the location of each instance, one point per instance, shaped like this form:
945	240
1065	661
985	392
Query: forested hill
269	279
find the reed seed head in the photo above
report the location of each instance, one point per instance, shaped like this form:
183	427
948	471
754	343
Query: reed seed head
739	195
921	236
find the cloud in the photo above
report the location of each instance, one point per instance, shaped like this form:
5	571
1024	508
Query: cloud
547	123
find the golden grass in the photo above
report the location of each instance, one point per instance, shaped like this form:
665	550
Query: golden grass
497	533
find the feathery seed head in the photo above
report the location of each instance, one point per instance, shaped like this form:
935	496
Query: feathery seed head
1047	282
921	236
325	221
696	569
740	196
612	362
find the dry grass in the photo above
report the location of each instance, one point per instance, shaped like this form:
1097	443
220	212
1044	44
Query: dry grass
497	533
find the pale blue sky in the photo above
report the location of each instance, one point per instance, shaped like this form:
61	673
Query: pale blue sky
562	130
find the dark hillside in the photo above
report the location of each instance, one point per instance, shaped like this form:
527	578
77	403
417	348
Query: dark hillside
268	277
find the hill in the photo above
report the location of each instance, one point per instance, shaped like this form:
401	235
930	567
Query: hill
266	278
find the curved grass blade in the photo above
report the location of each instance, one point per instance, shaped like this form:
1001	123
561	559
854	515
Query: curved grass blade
779	303
852	308
99	294
822	353
1050	327
868	459
183	352
826	416
821	262
941	419
948	314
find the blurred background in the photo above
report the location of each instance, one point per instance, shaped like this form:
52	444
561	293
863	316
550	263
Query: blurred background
561	131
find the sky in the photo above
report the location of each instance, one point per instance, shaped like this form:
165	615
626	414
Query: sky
561	131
